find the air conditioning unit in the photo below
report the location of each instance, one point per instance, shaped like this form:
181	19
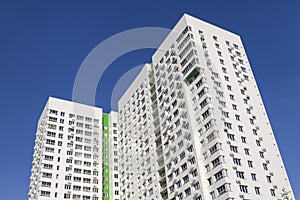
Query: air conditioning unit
238	181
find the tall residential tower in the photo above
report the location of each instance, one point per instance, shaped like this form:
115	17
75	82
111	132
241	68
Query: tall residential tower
74	153
193	124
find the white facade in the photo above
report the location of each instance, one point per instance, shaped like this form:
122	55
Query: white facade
114	156
138	165
68	156
193	124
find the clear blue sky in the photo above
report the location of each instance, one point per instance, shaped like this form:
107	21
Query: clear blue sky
42	45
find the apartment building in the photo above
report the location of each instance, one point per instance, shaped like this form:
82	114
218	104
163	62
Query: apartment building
138	159
193	124
72	153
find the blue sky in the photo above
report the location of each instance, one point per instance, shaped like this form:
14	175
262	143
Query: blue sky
43	43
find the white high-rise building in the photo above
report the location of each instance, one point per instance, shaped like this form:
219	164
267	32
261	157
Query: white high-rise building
74	153
193	124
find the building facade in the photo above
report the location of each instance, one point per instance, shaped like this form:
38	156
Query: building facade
72	153
193	124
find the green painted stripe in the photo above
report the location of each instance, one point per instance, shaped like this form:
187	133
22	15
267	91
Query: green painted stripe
105	123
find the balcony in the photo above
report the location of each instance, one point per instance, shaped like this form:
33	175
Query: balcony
162	173
161	162
158	142
159	151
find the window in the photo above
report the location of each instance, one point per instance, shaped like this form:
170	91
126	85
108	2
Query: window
49	157
48	166
207	167
184	167
215	74
209	181
222	103
265	166
240	128
76	188
186	178
234	107
196	186
261	154
51	134
237	161
250	163
269	179
218	83
46	175
213	195
49	149
68	169
253	176
223	189
272	192
68	187
258	143
225	71
46	184
51	142
257	190
182	155
243	138
228	125
221	174
230	136
217	161
225	114
246	151
244	188
234	148
178	184
45	193
76	170
215	148
240	174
